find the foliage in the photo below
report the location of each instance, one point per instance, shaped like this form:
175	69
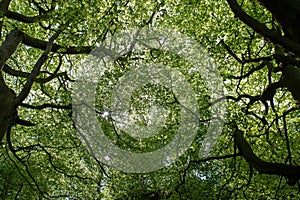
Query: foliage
49	160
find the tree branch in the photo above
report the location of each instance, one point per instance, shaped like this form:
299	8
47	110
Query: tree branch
12	40
46	105
230	51
292	173
36	69
250	72
19	17
291	79
7	95
287	13
40	44
263	30
7	69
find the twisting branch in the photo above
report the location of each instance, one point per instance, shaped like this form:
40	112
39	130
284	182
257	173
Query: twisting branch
292	173
19	17
263	30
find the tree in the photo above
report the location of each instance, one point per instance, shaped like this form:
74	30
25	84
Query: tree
256	47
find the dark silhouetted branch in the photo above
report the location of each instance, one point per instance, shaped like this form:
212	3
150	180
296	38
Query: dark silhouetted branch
292	173
12	40
40	44
263	30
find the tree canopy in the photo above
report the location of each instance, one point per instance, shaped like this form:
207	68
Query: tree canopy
252	45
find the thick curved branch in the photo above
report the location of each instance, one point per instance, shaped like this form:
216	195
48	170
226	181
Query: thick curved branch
292	173
17	16
263	30
40	44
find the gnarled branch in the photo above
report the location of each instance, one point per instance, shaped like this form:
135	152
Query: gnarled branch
263	30
292	173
